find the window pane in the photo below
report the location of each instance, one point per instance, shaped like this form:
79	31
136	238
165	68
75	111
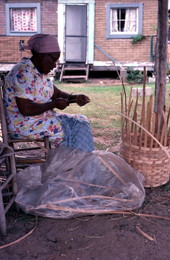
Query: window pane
23	19
124	20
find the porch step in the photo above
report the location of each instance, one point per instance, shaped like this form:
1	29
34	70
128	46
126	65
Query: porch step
73	71
74	76
74	68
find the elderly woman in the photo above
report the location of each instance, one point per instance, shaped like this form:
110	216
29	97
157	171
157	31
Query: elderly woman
30	99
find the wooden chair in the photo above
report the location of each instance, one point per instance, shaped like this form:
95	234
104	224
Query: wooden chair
8	187
22	147
14	162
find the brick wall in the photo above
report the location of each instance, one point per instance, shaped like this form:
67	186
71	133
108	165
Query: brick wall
123	50
49	22
9	49
9	45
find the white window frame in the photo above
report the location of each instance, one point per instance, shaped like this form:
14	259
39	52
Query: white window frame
116	35
20	6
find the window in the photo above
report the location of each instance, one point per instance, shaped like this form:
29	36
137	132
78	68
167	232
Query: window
124	20
23	19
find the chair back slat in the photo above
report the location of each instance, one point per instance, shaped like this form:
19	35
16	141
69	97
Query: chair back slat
2	114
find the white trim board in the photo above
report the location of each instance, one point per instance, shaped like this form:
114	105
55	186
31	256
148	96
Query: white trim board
76	1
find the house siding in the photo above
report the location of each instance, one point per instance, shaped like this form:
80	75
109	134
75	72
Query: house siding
122	50
9	45
49	17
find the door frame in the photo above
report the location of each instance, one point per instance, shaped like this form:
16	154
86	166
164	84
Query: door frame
90	27
76	53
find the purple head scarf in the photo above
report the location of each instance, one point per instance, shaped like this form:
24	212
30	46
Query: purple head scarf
43	43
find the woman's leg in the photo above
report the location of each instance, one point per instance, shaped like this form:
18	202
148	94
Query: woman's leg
65	129
77	132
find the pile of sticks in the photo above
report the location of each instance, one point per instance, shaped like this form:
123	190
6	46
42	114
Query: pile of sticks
146	127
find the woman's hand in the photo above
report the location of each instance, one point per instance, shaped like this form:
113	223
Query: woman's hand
79	99
82	100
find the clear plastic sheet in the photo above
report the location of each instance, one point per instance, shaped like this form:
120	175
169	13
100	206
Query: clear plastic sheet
74	183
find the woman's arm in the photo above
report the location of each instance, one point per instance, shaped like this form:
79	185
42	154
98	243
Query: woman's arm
28	107
60	100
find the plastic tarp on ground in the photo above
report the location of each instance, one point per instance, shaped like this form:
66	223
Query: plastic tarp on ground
74	183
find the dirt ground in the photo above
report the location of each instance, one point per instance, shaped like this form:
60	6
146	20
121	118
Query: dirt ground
102	237
143	234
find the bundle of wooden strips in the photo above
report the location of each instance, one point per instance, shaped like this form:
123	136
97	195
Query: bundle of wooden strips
146	137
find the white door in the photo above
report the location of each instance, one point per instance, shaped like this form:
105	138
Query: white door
76	33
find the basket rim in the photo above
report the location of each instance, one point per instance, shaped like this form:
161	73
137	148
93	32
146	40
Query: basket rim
143	148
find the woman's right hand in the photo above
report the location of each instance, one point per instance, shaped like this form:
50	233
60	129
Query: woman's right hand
61	103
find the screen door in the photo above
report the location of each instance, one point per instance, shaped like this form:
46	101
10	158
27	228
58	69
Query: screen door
76	33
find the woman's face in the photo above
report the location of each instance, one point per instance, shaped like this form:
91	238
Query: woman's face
47	61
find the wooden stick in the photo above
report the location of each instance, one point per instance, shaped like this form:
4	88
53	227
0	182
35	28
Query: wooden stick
88	184
149	114
148	120
135	112
168	116
111	169
146	124
143	128
159	112
163	148
140	138
20	239
144	234
130	102
142	119
90	197
143	99
129	108
164	129
41	146
94	212
122	118
124	91
158	127
153	130
135	131
128	112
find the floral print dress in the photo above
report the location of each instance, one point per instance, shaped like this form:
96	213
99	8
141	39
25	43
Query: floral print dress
24	81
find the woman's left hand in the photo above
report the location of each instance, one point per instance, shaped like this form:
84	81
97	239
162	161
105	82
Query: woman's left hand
82	100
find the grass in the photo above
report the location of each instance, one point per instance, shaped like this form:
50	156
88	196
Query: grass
103	111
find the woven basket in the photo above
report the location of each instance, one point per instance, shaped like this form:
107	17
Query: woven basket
153	163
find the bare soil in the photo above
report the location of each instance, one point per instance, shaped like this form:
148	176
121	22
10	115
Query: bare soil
100	237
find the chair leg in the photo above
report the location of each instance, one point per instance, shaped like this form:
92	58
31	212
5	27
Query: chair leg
47	143
13	171
2	217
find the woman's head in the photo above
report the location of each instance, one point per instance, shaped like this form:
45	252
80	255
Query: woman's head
45	50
